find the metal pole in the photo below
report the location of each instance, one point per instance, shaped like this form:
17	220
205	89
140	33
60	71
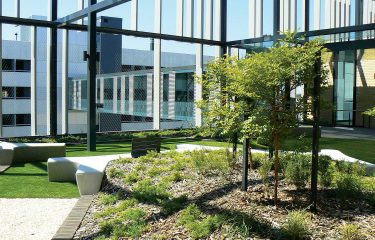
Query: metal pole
245	165
53	73
91	80
199	63
65	83
34	103
157	66
276	17
315	143
223	28
1	71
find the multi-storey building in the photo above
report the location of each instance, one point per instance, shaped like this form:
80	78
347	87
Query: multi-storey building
124	85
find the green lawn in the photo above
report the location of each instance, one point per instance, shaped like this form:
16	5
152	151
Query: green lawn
360	149
31	181
125	147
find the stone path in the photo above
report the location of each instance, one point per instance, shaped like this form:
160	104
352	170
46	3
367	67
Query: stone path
32	219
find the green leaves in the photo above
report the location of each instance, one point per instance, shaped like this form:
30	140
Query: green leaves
370	112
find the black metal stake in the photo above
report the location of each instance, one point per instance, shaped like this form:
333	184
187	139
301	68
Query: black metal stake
245	165
316	130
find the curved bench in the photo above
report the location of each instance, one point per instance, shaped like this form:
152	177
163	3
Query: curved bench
88	172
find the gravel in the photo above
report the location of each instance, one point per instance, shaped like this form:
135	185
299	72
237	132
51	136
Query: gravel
35	219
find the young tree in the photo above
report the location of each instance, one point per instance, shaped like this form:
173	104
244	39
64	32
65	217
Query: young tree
222	110
269	78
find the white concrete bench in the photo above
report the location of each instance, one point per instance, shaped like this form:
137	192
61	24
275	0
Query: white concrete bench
34	152
88	172
6	156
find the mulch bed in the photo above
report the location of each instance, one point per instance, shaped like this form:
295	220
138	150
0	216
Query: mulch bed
221	194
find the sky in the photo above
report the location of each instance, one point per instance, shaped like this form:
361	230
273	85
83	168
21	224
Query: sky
237	19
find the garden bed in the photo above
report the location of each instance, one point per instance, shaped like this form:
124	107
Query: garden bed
197	195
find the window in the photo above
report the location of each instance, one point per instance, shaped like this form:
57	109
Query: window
23	93
23	65
184	87
8	65
127	88
8	120
108	88
140	88
165	87
8	92
23	119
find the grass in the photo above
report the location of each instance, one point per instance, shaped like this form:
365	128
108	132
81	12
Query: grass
30	180
79	150
360	149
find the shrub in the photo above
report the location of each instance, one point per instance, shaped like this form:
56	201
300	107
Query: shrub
173	205
297	170
108	199
265	168
257	159
132	177
114	172
133	223
351	232
211	162
349	186
297	225
155	171
327	169
147	191
351	168
199	225
128	223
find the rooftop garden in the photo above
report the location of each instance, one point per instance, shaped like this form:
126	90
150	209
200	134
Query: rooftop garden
196	195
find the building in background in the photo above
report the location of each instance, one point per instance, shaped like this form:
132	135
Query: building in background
124	84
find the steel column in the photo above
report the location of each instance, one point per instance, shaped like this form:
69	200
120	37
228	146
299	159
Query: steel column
1	71
17	8
180	18
276	17
199	63
91	80
65	83
190	18
33	89
157	66
134	15
209	19
52	73
307	15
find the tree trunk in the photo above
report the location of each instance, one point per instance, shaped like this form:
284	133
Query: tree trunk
277	148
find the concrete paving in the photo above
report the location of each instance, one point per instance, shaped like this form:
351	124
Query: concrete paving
32	219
